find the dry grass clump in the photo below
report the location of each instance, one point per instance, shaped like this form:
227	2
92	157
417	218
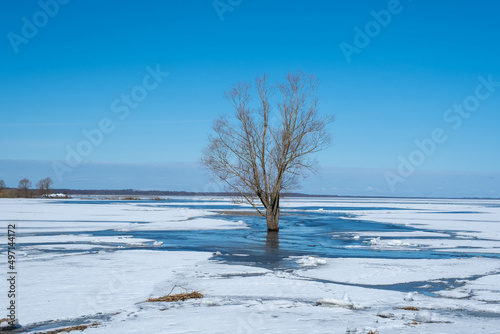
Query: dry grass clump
179	296
130	198
410	308
7	194
70	329
176	297
14	193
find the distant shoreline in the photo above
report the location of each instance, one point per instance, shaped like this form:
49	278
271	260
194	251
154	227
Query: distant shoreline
132	192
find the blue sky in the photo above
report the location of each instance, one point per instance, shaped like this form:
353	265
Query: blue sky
65	76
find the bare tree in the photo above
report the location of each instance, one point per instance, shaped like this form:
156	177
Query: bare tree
259	159
44	186
2	185
24	187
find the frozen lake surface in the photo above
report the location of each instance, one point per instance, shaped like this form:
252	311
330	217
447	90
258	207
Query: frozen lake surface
339	265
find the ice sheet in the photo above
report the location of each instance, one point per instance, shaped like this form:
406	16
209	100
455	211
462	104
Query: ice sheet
337	295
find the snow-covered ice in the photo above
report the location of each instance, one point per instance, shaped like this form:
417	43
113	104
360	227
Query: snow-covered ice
309	261
99	262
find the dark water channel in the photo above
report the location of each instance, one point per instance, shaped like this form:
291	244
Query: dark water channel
304	231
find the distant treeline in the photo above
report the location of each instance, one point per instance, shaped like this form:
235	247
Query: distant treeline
132	192
43	189
24	189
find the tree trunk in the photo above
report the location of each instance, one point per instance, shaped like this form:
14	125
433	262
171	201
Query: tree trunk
273	218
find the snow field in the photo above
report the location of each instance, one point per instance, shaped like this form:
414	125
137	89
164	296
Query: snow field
336	295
